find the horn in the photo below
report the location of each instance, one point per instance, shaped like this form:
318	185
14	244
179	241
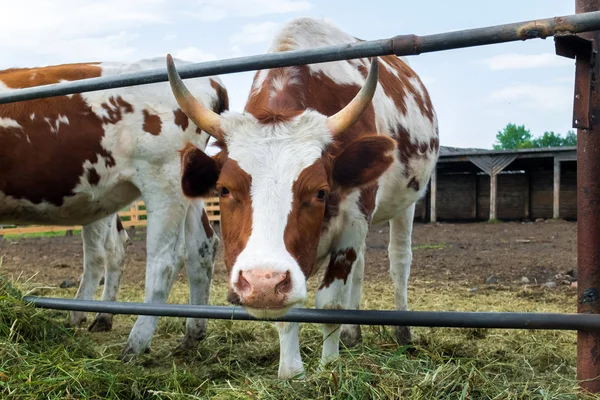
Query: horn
350	114
205	119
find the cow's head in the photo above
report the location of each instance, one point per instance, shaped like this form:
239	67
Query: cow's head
278	178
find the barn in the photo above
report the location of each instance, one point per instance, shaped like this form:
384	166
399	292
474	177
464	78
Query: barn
478	185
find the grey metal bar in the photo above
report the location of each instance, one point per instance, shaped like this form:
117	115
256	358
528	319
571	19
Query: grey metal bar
400	45
451	319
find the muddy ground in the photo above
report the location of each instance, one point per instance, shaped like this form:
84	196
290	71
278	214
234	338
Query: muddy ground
464	254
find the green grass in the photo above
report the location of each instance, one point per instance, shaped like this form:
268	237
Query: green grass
437	246
238	360
41	234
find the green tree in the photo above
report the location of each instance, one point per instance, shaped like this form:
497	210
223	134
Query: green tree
518	137
548	139
570	139
513	137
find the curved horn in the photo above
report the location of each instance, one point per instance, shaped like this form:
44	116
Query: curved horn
205	119
350	114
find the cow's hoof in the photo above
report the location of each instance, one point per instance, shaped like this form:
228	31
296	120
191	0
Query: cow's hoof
351	335
102	323
402	335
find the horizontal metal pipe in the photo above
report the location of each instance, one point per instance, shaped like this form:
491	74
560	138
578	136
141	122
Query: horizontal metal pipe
400	45
450	319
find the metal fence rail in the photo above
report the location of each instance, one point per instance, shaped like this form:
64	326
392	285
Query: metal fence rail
399	45
448	319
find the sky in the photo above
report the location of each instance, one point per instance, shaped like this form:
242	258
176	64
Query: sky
475	91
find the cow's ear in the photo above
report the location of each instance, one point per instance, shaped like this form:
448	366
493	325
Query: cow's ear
362	162
199	173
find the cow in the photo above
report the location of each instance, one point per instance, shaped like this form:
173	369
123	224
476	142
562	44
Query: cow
321	152
79	159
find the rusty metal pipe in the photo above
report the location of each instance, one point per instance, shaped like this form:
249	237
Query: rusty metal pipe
400	45
588	212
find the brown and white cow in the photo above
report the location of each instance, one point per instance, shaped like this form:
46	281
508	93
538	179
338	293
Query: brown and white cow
304	171
79	159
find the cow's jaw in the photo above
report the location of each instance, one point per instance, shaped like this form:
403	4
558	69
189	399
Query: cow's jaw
273	156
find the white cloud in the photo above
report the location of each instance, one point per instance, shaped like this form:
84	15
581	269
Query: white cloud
107	48
194	54
525	61
538	97
169	36
71	30
255	33
215	10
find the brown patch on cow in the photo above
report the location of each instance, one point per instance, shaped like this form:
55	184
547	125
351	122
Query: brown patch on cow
434	144
93	176
198	131
236	209
43	159
397	87
206	225
362	162
305	90
366	201
119	225
305	220
409	150
413	184
152	123
222	96
181	120
114	109
340	266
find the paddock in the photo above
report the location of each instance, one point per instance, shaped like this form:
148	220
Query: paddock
457	267
583	48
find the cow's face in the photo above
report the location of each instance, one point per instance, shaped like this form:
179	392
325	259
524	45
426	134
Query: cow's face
276	182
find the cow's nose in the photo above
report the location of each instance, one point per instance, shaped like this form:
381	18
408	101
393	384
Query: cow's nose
264	288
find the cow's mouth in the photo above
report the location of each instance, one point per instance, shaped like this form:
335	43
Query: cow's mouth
268	313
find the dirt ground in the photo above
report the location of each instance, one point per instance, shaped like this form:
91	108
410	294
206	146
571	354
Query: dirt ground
464	254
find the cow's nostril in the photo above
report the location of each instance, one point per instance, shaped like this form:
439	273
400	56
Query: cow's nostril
285	285
243	286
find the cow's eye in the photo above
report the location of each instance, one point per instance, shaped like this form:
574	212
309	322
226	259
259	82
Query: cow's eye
223	192
321	195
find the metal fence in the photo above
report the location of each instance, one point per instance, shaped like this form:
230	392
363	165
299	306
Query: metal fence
586	100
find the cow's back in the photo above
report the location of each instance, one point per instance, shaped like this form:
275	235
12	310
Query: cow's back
76	158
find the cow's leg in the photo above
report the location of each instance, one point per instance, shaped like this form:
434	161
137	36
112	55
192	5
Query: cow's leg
351	334
202	244
400	254
165	243
290	360
334	291
94	260
116	246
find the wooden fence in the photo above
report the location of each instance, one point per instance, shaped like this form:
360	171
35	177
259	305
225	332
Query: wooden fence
133	216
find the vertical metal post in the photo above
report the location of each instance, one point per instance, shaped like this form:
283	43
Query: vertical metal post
588	212
556	191
433	194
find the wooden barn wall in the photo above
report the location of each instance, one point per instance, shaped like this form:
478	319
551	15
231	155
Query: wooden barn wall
466	197
542	194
